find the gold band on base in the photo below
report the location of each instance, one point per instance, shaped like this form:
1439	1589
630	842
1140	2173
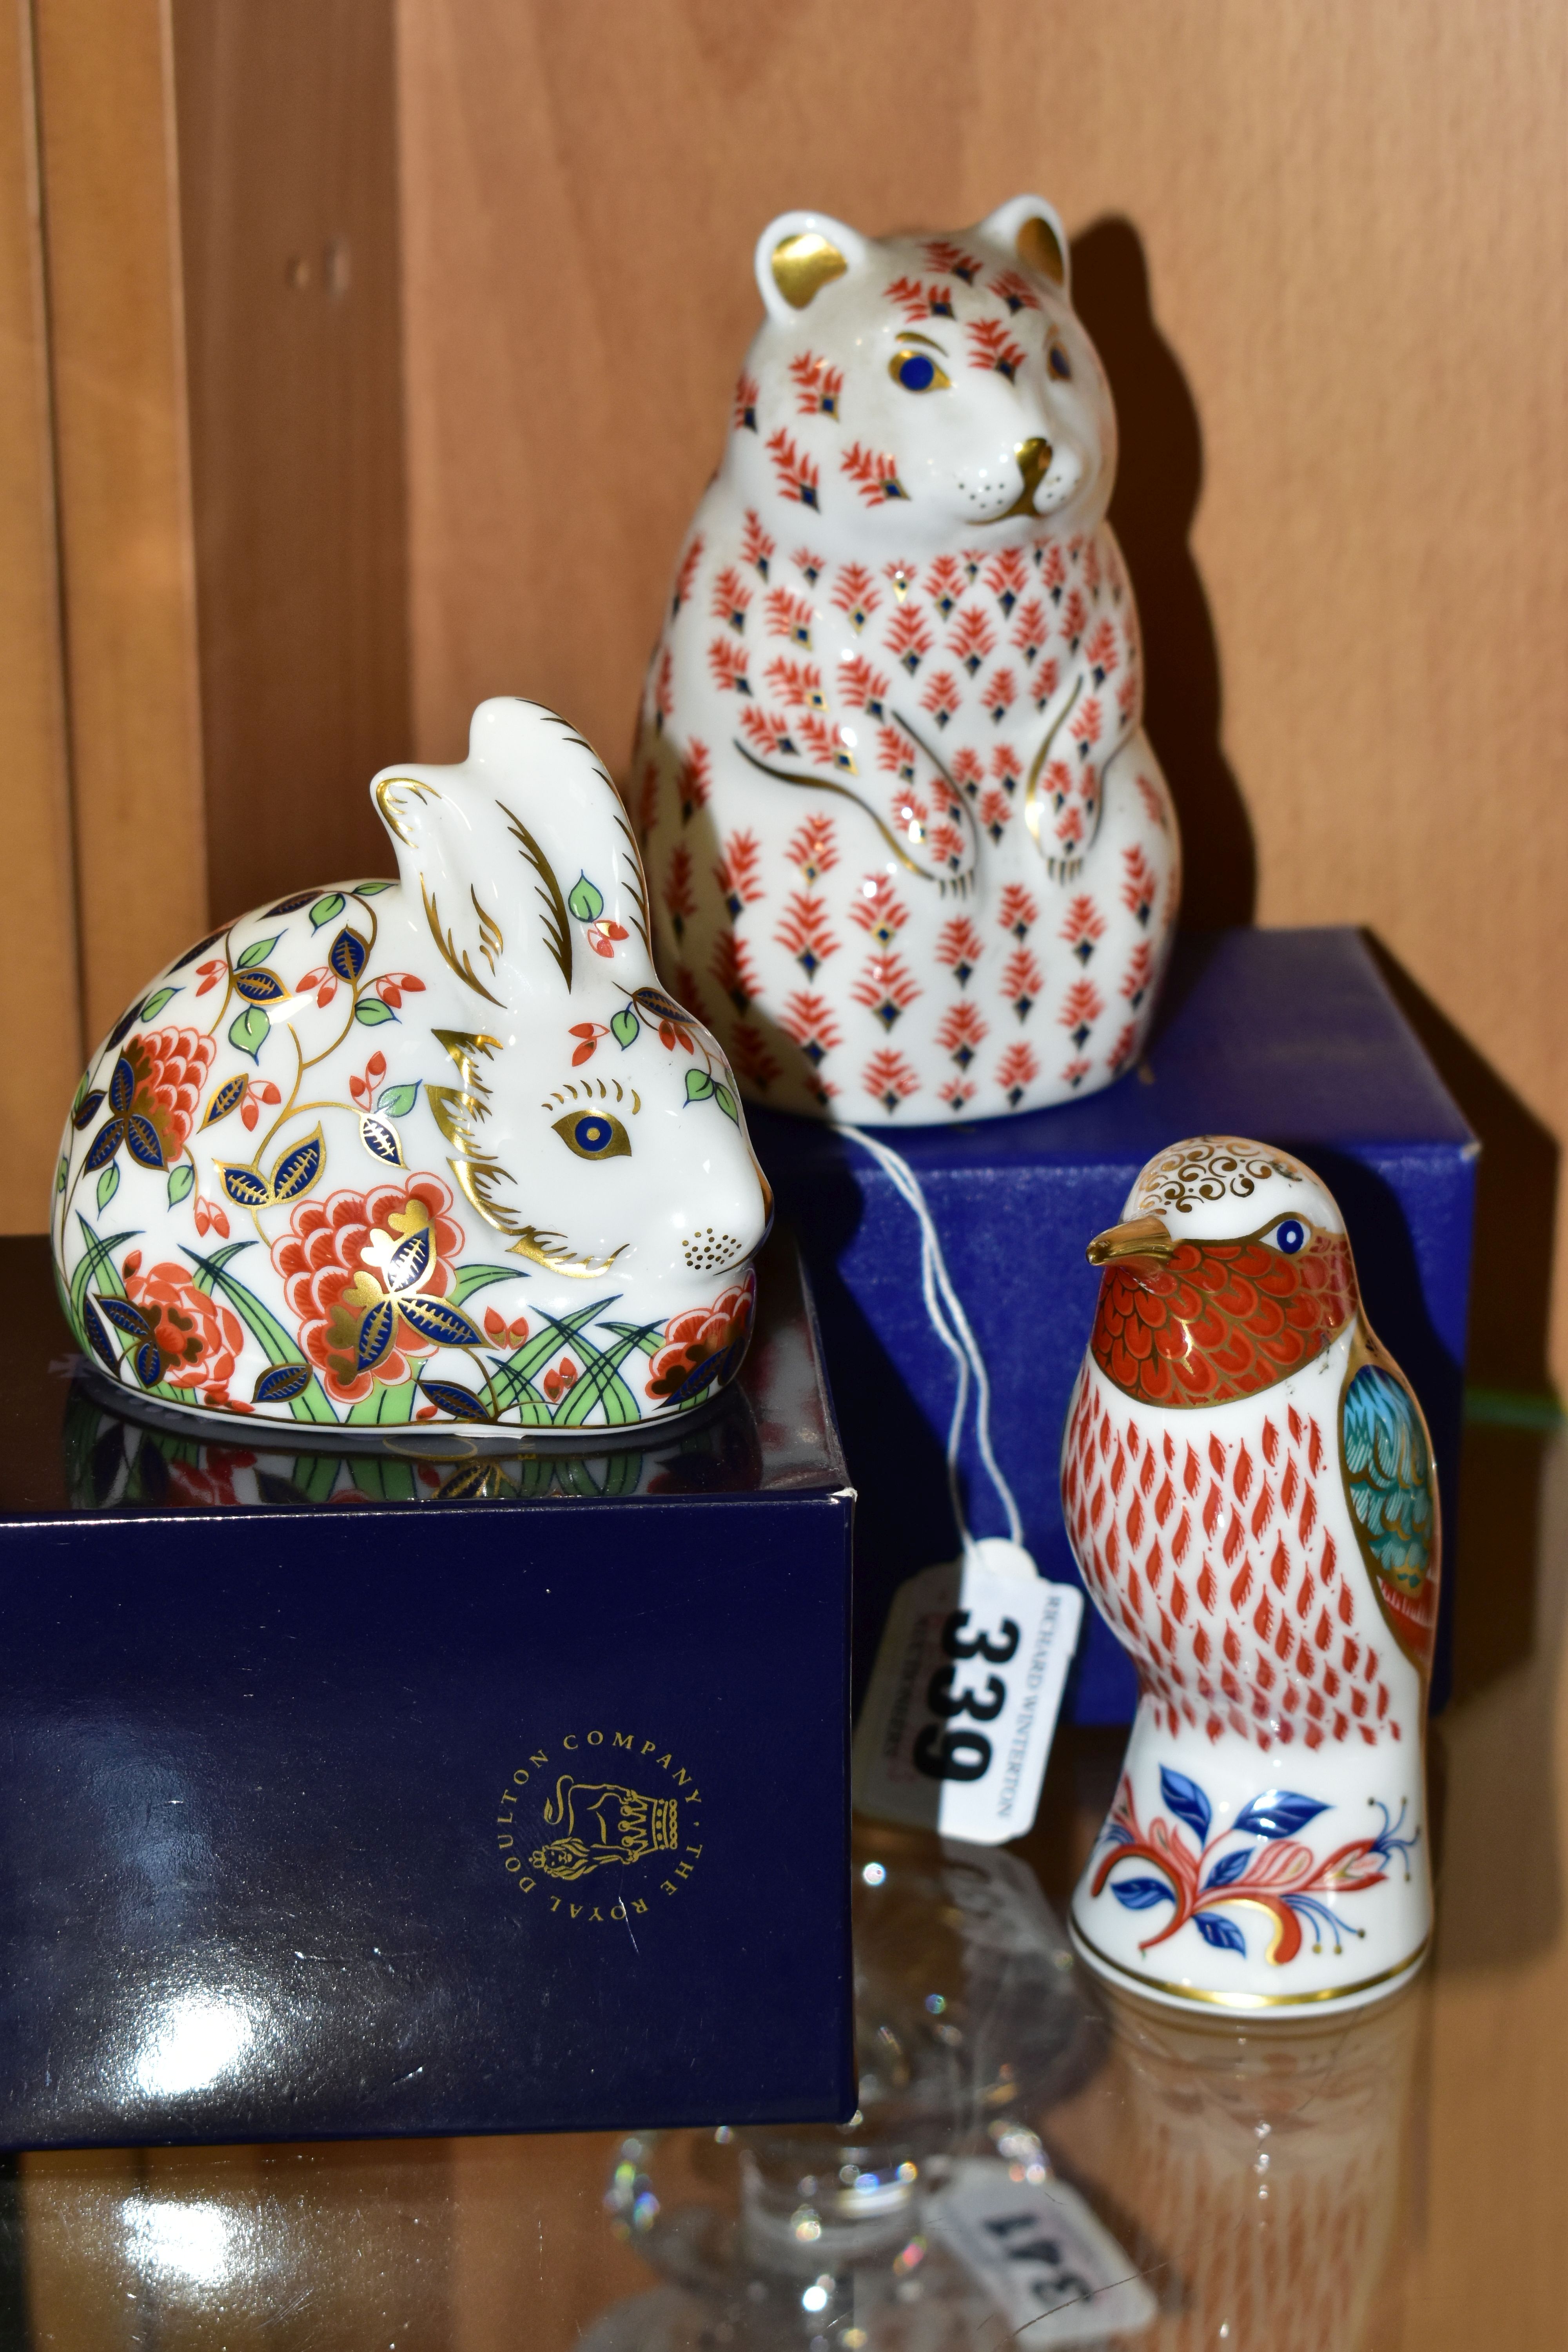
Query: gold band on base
1244	2002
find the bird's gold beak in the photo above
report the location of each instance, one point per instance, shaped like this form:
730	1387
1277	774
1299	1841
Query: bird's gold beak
1139	1237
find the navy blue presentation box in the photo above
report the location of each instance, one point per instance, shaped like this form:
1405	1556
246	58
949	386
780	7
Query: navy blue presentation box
1287	1036
423	1791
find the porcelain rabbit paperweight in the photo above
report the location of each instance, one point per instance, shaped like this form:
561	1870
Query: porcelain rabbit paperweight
909	845
1248	1488
437	1151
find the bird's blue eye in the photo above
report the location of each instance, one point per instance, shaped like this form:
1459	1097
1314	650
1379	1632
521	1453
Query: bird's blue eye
592	1134
1057	361
917	371
1289	1236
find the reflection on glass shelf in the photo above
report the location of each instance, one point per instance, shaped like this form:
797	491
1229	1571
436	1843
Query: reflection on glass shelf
1034	2159
1257	2176
115	1463
1034	2162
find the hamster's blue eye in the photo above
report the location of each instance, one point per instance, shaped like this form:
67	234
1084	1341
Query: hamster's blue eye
1290	1236
1057	361
917	371
593	1134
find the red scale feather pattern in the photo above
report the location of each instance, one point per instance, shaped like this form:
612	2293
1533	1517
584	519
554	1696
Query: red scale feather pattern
1213	1558
1220	1319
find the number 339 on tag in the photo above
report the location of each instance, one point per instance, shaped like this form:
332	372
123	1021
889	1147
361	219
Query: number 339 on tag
958	1721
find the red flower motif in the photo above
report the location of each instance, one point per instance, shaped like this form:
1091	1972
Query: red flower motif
211	1215
323	980
258	1091
170	1067
703	1348
199	1340
363	1089
209	1482
557	1382
393	986
500	1333
332	1260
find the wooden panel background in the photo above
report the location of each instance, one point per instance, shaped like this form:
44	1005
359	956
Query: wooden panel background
1325	248
117	343
42	995
289	208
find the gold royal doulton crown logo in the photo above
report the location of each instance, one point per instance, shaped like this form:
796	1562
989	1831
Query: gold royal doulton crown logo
591	1824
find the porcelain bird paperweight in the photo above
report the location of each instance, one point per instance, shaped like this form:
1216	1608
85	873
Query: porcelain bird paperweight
1248	1488
440	1150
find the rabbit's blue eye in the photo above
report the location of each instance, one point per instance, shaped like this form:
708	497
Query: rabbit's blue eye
1057	361
592	1134
1289	1236
917	371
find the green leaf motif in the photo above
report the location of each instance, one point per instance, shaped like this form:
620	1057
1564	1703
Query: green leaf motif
586	903
625	1026
257	952
470	1279
250	1031
108	1184
396	1102
369	890
698	1086
326	910
60	1174
372	1012
726	1102
157	1002
180	1183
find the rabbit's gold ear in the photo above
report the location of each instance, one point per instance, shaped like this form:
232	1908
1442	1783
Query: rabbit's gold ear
398	800
799	253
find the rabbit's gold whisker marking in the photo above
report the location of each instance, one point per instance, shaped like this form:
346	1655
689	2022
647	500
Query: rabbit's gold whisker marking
461	964
557	930
466	1047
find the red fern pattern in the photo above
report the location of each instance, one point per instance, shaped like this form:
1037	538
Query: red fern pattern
874	474
686	573
813	847
818	387
797	474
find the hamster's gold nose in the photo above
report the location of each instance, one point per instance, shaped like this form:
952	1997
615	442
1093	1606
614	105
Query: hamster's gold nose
1033	457
1139	1237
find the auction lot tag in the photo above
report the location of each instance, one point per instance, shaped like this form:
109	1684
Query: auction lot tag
1039	2253
958	1721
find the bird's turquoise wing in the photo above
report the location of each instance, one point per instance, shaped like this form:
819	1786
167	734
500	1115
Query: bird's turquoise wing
1392	1490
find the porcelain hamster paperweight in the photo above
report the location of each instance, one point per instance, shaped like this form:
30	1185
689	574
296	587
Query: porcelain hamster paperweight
438	1150
1248	1488
910	846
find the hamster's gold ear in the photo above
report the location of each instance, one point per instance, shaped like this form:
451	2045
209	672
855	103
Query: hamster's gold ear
799	253
1039	247
1032	230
